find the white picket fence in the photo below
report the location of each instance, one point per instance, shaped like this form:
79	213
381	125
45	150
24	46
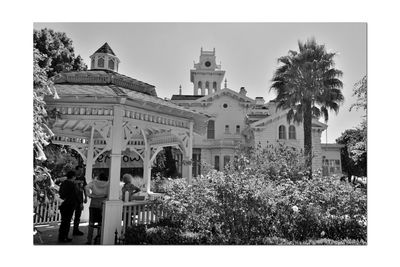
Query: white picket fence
133	213
140	212
47	213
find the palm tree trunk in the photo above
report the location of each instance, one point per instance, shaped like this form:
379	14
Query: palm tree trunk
307	120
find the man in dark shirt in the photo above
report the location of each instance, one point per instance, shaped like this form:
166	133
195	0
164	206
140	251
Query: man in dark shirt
69	193
80	182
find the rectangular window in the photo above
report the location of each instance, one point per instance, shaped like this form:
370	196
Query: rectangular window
226	160
216	163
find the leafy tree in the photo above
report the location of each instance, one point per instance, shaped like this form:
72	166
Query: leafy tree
354	154
52	53
308	85
360	91
165	165
58	52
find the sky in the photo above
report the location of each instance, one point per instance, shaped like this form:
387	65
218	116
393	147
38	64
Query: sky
162	54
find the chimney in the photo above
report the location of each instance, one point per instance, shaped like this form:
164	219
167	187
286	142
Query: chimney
260	100
242	91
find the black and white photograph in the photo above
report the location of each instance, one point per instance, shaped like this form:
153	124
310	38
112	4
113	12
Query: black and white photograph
199	133
198	136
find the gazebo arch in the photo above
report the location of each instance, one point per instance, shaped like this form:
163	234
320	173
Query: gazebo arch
101	111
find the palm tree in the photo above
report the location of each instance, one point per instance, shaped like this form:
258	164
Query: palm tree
308	85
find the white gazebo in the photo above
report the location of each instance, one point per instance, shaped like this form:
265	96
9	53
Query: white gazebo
101	110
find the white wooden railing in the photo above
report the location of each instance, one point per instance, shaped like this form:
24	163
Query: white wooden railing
47	213
140	212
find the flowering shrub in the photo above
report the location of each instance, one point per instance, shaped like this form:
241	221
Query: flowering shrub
266	194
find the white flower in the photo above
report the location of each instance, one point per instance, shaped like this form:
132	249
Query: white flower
322	233
295	209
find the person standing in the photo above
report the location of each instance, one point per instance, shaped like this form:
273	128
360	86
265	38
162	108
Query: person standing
69	194
128	187
97	190
80	182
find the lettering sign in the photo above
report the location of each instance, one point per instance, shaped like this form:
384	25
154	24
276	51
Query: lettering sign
129	160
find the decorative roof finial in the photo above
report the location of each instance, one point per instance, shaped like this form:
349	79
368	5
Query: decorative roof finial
180	89
226	83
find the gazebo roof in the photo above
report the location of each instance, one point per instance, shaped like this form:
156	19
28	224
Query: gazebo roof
103	77
102	86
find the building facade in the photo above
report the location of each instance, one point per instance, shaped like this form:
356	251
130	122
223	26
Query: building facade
237	119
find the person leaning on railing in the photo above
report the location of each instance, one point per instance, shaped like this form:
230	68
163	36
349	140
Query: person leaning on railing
97	191
128	187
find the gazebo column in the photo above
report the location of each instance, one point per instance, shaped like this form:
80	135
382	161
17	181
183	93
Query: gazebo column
187	168
112	209
147	168
89	158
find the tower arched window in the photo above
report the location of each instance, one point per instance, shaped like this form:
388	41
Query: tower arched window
111	64
100	62
282	132
237	129
211	129
200	85
215	86
292	132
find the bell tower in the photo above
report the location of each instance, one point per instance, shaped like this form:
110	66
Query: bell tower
104	59
207	75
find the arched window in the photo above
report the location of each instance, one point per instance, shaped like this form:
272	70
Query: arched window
211	129
282	132
93	63
207	85
215	86
292	132
111	64
226	129
200	85
100	62
237	129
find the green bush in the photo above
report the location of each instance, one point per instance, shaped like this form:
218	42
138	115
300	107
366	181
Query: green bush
262	197
164	232
265	194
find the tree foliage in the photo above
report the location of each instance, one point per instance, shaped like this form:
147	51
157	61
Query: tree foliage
58	52
308	86
360	91
52	54
354	154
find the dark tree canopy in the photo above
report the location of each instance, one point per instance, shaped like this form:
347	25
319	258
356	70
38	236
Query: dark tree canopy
354	154
58	52
308	86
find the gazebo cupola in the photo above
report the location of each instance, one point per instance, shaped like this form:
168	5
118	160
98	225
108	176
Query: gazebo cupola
104	59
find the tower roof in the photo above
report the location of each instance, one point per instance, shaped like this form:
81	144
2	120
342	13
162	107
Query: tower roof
105	49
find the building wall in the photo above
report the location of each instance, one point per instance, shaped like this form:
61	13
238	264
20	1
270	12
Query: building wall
270	135
233	115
